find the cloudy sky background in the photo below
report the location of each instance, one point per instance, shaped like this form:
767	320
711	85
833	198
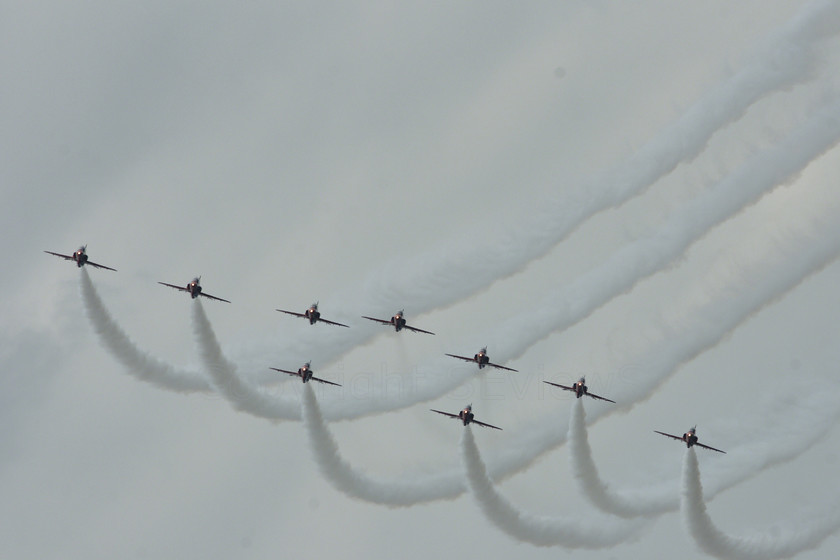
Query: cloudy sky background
376	157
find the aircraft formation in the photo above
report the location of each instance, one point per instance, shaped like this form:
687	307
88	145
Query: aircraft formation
398	321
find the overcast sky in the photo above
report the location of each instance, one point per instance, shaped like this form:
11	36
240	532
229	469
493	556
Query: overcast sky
643	193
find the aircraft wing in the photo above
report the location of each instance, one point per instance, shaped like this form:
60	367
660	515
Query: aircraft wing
323	381
286	371
678	438
462	358
594	396
213	297
291	313
67	257
183	289
415	329
383	321
500	367
332	323
97	265
485	425
558	385
698	444
447	414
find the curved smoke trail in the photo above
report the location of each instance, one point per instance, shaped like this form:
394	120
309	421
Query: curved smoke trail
804	247
787	426
801	248
245	397
571	304
136	362
223	373
806	420
539	531
647	255
807	534
799	256
356	484
586	473
444	276
787	59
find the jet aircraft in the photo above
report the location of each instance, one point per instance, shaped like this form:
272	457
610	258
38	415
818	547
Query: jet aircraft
482	359
194	289
305	374
466	416
81	258
579	388
313	315
398	321
690	438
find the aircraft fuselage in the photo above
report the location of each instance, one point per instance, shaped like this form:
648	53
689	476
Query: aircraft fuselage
313	315
398	322
466	416
579	387
194	289
482	359
80	257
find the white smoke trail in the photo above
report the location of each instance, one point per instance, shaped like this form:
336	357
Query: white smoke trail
787	59
799	533
585	471
240	395
571	532
244	396
136	362
803	247
804	244
571	304
566	308
444	276
645	256
783	427
356	484
802	421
